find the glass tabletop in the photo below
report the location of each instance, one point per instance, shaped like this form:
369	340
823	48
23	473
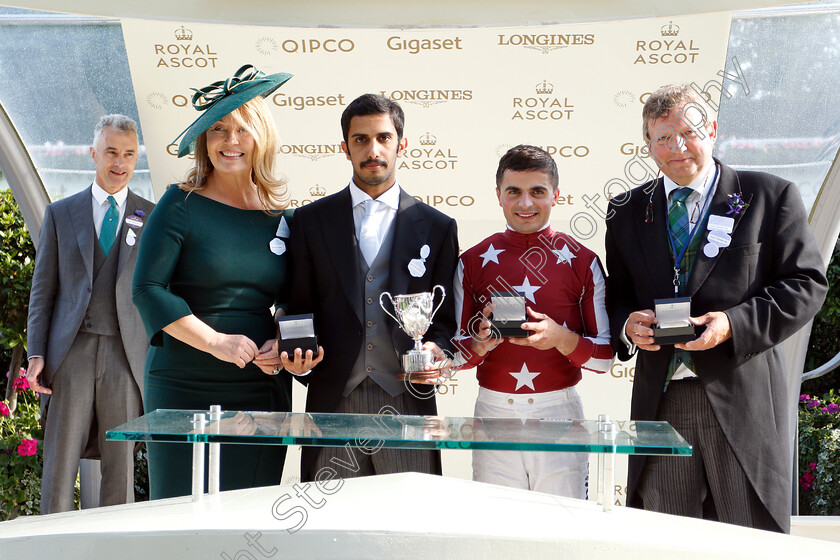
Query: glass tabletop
373	431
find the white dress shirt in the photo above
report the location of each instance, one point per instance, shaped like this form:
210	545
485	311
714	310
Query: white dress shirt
385	211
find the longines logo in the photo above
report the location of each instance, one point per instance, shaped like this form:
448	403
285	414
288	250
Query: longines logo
428	156
667	48
544	42
184	53
313	152
428	97
303	102
416	46
543	106
313	193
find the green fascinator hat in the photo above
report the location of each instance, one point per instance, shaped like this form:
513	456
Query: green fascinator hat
223	97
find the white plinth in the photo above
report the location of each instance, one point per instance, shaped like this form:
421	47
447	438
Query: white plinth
394	516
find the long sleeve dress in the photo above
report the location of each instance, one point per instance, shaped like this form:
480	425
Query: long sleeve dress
227	266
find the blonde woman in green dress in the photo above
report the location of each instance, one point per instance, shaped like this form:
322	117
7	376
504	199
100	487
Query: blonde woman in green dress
211	265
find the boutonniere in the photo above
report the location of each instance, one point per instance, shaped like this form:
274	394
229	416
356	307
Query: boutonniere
736	203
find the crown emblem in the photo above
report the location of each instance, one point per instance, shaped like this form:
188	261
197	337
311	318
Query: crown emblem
183	34
428	140
670	30
317	191
544	88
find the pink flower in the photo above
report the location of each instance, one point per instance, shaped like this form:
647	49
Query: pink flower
4	410
21	384
803	397
27	447
832	408
812	466
22	373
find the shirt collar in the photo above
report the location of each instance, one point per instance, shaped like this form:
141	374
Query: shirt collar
391	197
541	230
100	195
699	185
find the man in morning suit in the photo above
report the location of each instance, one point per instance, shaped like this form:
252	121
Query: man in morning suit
346	249
751	267
86	343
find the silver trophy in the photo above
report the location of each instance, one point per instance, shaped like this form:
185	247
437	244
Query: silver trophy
414	316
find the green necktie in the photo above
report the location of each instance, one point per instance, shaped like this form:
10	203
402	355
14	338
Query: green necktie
678	222
108	233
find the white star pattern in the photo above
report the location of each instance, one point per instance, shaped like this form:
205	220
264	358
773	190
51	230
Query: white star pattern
491	254
528	290
564	255
524	378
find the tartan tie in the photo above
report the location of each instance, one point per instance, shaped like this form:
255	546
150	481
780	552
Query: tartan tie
678	217
108	232
679	225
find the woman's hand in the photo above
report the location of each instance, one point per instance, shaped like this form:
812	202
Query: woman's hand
234	348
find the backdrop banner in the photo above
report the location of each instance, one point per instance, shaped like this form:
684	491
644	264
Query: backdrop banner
469	94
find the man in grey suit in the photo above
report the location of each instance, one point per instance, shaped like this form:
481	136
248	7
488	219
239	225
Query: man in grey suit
85	339
738	246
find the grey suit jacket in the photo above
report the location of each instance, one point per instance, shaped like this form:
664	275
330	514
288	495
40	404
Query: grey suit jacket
769	281
61	284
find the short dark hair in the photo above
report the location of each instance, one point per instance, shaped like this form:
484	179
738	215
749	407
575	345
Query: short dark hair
528	158
373	104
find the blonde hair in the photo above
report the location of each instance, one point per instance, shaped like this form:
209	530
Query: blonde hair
255	118
662	101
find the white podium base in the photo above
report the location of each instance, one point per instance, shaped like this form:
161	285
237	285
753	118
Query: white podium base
394	516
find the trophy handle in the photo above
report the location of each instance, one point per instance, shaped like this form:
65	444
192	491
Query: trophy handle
442	297
392	305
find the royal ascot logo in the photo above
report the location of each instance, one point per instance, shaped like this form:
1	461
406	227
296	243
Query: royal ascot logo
545	42
428	97
623	98
417	46
156	100
667	48
184	52
304	102
183	34
313	193
266	46
312	152
543	106
428	156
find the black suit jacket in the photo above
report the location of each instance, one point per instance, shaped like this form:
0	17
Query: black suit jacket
325	281
770	282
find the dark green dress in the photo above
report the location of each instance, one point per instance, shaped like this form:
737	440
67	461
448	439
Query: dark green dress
219	263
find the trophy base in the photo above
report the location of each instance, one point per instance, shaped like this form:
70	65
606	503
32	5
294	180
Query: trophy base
421	378
414	363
